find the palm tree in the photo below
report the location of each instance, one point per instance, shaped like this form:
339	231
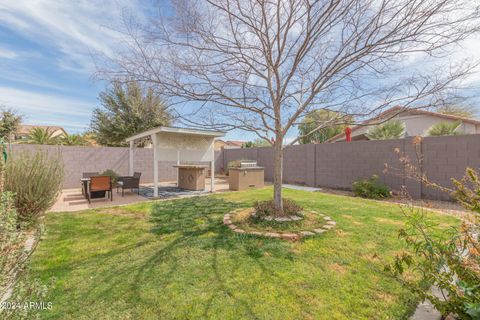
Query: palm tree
41	136
73	140
444	129
393	129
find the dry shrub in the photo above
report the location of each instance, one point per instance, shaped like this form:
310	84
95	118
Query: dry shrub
36	180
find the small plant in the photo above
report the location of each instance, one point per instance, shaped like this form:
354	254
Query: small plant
267	208
36	180
73	140
392	129
112	174
233	164
371	188
444	129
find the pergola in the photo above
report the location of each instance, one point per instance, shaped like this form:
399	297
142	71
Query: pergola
177	144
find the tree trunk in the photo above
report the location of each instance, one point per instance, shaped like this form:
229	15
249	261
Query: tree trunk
278	173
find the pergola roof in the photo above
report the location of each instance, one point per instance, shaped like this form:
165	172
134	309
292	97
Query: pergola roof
177	130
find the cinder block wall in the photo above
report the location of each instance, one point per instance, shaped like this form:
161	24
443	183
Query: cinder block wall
338	165
79	159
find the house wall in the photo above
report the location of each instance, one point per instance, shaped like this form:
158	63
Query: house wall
338	165
418	125
79	159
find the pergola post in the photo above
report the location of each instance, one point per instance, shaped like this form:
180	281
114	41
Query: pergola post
178	163
155	165
130	159
212	173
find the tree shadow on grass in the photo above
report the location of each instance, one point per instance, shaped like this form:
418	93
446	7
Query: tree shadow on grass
193	218
183	225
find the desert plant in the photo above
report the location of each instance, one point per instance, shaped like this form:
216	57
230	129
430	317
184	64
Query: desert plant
41	136
9	122
320	125
256	143
464	111
267	208
36	179
393	129
448	260
371	188
73	140
112	174
444	128
233	164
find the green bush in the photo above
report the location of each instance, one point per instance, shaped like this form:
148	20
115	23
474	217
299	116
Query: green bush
371	188
233	164
393	129
267	208
450	259
444	129
112	174
36	180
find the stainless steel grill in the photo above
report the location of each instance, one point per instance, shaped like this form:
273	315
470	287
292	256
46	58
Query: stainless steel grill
248	164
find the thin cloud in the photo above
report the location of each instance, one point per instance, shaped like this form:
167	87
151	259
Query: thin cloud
7	54
30	102
75	28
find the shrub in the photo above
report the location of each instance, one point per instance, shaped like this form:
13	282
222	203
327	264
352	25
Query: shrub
444	129
112	174
267	208
449	260
233	164
36	179
392	129
9	238
371	188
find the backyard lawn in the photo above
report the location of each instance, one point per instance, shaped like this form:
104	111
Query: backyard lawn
176	260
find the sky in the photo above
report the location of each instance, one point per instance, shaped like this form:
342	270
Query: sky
47	57
47	51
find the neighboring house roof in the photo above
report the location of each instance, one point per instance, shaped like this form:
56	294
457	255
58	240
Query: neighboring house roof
25	128
236	143
397	110
230	143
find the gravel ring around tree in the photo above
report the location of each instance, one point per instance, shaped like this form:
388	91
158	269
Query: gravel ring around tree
290	236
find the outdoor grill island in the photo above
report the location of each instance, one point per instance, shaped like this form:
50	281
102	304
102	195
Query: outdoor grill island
246	174
191	177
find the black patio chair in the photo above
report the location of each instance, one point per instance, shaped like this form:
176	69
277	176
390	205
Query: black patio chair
129	182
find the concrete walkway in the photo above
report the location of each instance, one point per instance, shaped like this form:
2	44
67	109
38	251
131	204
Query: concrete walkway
303	188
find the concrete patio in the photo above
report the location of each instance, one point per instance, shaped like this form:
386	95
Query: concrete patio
73	200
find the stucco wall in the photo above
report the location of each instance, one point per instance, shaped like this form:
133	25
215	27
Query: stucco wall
337	165
418	125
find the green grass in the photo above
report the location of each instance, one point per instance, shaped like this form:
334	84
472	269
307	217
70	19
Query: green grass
176	260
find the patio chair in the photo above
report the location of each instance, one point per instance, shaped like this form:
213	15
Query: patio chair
86	175
99	184
129	182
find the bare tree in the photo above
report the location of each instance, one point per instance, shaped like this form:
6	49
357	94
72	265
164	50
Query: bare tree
262	65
